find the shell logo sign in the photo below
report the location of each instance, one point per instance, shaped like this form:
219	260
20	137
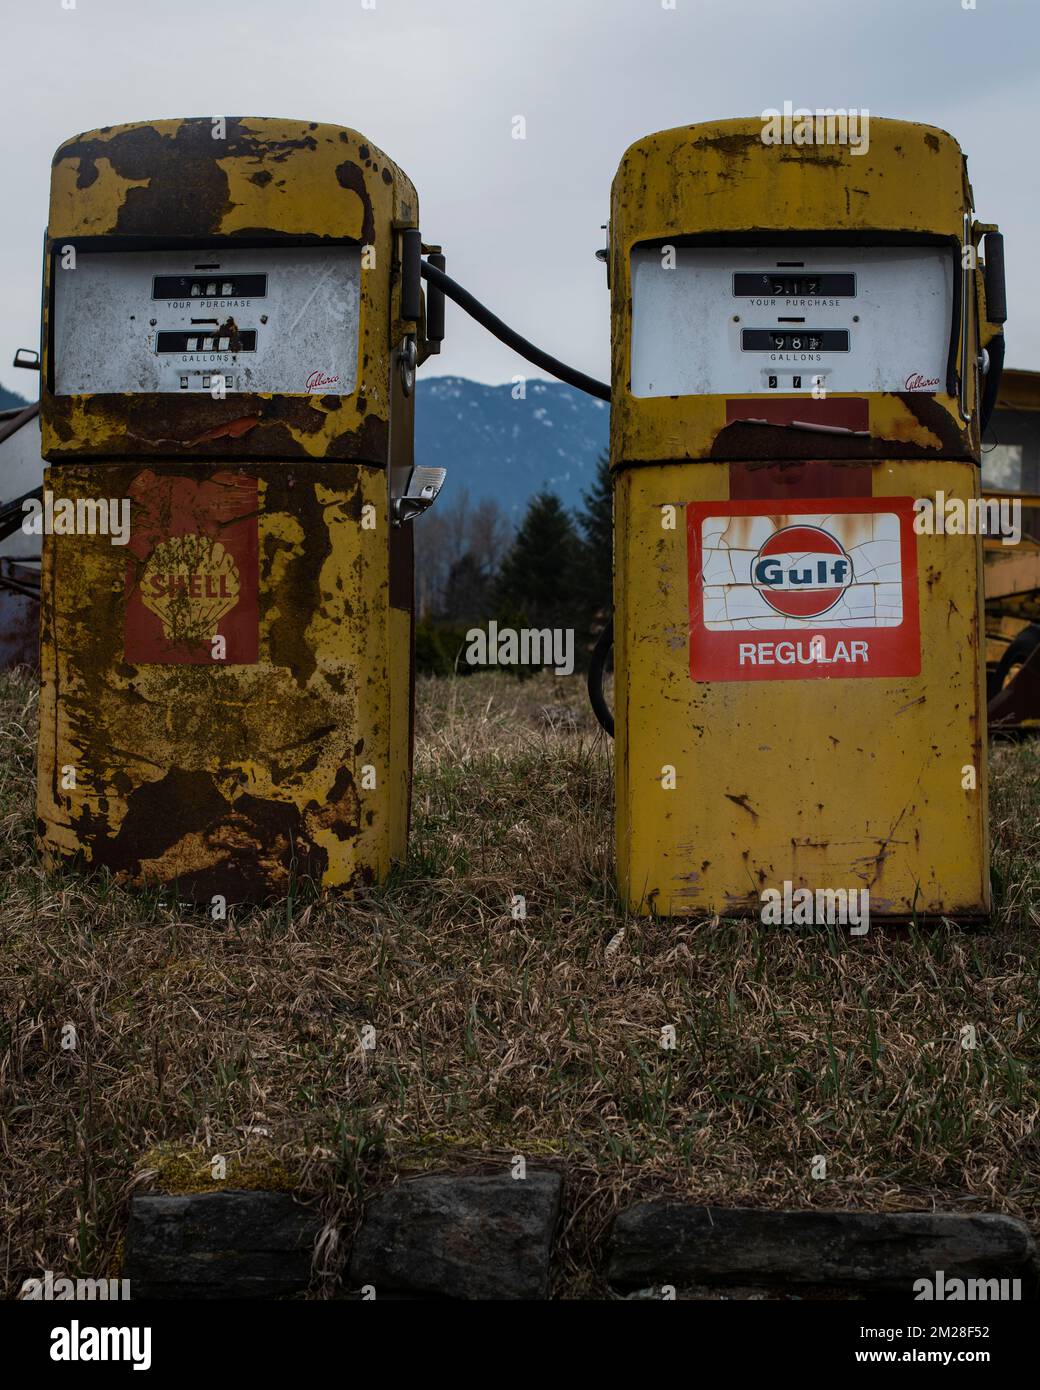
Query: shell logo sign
190	583
816	588
192	571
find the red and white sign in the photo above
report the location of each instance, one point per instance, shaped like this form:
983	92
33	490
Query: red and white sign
815	588
192	569
801	571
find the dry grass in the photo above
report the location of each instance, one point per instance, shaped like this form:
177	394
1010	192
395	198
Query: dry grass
497	1036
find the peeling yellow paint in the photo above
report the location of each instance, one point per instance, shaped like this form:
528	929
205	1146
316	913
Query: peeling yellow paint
718	177
268	177
247	774
851	783
110	190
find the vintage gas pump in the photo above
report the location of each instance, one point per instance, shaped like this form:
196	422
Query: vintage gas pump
233	318
803	343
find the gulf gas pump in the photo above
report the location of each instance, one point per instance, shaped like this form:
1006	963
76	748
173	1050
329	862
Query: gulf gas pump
232	321
806	338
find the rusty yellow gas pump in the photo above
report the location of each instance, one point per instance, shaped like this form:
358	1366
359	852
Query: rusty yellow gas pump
233	317
804	340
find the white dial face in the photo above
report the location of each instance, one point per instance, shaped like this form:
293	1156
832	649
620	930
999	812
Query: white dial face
754	320
278	320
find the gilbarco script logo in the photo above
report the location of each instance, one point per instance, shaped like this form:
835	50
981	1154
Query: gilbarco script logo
316	380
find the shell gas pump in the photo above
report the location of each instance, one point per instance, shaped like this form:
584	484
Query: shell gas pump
806	343
232	321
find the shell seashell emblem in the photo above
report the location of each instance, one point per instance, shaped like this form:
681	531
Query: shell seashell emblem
190	583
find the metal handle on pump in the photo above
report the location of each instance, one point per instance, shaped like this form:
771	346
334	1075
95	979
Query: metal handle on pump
967	296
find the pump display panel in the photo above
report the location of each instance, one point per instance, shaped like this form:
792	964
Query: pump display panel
718	320
267	320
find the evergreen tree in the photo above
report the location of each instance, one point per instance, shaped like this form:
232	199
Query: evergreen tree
596	520
539	578
467	593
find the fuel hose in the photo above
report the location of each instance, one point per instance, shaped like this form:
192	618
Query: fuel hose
452	290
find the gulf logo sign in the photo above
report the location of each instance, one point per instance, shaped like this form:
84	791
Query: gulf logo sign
803	589
801	571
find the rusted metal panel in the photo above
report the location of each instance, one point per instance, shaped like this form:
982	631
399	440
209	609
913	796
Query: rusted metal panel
260	182
226	692
718	180
21	471
847	782
168	765
1019	390
806	770
1017	705
1013	574
19	614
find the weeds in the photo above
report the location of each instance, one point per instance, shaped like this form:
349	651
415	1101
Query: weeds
496	1035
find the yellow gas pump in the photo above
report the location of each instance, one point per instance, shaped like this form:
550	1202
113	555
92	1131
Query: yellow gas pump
233	318
803	343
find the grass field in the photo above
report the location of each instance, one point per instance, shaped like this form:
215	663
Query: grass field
494	1036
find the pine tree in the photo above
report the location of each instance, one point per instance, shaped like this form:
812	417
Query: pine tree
539	577
466	594
596	520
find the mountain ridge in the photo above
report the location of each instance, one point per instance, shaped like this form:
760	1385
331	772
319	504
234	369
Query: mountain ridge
496	442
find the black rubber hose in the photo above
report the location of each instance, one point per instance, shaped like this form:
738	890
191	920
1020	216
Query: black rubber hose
472	306
505	334
992	386
597	665
1019	651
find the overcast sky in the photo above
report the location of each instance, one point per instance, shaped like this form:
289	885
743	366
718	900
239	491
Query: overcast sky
437	83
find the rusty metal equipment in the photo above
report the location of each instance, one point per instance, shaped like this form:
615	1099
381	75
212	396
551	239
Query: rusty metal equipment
807	339
1011	467
232	321
20	470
